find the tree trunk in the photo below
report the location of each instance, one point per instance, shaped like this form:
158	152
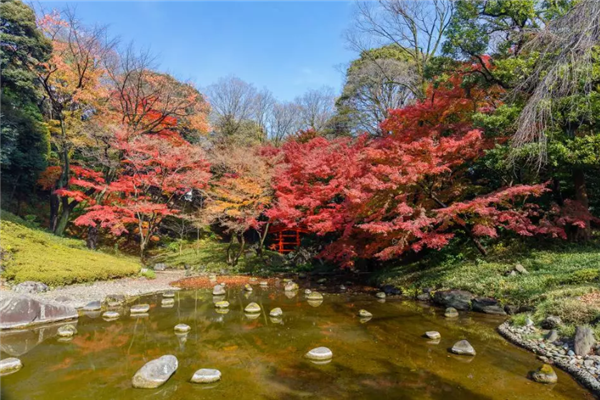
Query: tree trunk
92	237
242	241
229	259
582	233
261	243
61	225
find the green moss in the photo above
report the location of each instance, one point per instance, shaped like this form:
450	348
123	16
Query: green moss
148	273
32	254
546	369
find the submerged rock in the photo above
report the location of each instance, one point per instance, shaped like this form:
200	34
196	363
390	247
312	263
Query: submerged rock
276	312
463	347
451	312
319	354
111	315
459	299
139	308
252	308
23	311
10	365
584	340
218	290
432	335
155	373
315	296
93	306
206	375
66	331
364	314
31	287
380	295
222	304
544	374
182	328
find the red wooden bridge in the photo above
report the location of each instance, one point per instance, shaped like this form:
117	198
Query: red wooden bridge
285	239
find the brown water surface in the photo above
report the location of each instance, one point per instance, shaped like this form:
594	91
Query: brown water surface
383	358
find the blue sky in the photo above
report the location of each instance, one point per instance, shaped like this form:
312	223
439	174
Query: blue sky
287	47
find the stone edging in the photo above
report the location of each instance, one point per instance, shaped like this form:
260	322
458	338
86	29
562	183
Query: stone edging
580	375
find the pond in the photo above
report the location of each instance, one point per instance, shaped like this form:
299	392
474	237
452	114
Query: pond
260	358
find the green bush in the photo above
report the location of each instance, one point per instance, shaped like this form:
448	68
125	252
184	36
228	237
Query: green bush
30	254
148	273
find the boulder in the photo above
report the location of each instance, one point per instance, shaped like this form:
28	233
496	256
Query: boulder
93	306
432	335
459	299
391	290
155	373
487	305
511	309
364	314
139	308
552	336
222	304
463	347
160	267
31	287
319	354
66	331
424	297
206	375
584	340
544	374
10	365
314	296
23	311
451	312
218	290
551	322
182	328
276	312
252	308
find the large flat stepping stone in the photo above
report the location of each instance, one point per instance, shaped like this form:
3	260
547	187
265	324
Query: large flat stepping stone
155	373
463	347
319	354
139	308
182	328
10	365
206	375
252	308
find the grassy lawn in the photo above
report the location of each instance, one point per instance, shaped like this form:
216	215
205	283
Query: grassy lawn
563	279
29	253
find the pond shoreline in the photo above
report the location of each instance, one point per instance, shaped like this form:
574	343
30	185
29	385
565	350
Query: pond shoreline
580	375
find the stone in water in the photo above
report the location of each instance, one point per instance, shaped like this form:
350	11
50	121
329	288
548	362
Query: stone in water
167	302
463	347
169	294
218	290
314	296
291	287
307	291
10	365
364	314
110	315
544	374
264	284
451	312
252	308
182	328
222	304
155	373
206	375
276	312
139	308
248	288
380	295
432	335
92	306
66	331
319	354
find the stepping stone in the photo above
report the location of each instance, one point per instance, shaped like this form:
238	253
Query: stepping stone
222	304
276	312
315	296
66	331
315	303
432	335
155	373
463	347
451	312
307	291
319	354
111	315
168	294
10	365
248	288
291	287
364	314
182	328
139	309
252	308
264	284
92	306
380	295
544	374
206	375
218	290
167	302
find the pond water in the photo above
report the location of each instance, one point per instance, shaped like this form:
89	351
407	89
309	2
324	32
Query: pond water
385	357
